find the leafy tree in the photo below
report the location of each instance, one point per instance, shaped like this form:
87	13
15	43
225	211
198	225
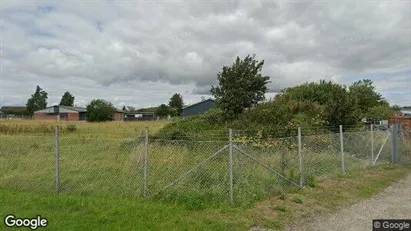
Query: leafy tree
240	86
100	110
380	112
364	97
396	108
335	99
163	110
67	99
176	104
37	101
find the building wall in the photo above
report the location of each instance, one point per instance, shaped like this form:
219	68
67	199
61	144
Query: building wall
405	121
73	117
118	116
44	116
199	109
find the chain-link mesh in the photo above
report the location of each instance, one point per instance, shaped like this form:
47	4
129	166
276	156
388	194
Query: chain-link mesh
27	162
321	157
194	172
382	147
188	171
357	150
101	166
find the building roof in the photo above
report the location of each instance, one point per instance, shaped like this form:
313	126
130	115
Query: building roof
13	108
79	109
209	99
140	112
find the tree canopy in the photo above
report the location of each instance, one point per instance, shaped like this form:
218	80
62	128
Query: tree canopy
37	101
176	104
240	86
162	110
99	110
67	99
342	105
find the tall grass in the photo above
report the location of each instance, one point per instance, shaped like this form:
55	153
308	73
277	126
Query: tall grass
104	129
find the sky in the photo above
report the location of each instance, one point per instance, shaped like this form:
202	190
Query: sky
139	53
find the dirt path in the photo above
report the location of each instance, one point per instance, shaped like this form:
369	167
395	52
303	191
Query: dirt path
393	203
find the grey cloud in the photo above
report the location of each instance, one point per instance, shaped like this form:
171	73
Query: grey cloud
187	43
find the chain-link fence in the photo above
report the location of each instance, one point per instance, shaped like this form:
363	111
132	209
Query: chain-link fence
228	169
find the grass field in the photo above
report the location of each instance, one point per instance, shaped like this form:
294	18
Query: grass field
106	129
101	178
71	212
102	164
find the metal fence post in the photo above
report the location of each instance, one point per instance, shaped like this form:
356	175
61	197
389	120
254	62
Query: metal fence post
231	164
399	142
394	143
372	144
300	157
342	149
145	189
57	158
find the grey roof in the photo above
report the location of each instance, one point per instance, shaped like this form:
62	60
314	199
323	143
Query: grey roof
79	109
198	103
140	112
14	108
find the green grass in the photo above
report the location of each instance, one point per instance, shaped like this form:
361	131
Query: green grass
67	212
73	212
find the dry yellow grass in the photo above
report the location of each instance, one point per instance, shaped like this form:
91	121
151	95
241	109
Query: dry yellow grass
106	129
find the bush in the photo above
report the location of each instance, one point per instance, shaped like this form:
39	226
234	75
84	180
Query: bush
71	127
100	110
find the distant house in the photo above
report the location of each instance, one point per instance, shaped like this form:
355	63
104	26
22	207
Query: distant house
198	108
6	110
14	112
139	116
58	112
67	113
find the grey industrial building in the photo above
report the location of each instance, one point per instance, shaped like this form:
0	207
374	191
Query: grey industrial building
199	108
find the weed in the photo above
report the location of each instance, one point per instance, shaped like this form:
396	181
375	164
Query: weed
298	200
280	208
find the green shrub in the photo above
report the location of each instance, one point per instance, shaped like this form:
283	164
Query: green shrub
71	127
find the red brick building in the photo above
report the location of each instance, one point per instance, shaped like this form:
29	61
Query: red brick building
405	121
68	114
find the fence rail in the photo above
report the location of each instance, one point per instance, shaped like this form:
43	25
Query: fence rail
228	171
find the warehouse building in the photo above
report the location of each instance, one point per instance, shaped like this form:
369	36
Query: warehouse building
198	108
67	113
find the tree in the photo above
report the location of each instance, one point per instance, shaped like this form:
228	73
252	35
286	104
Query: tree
380	112
162	110
240	86
124	108
338	107
396	108
364	96
37	101
99	110
176	104
67	99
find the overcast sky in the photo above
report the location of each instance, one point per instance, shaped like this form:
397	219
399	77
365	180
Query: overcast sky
140	53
